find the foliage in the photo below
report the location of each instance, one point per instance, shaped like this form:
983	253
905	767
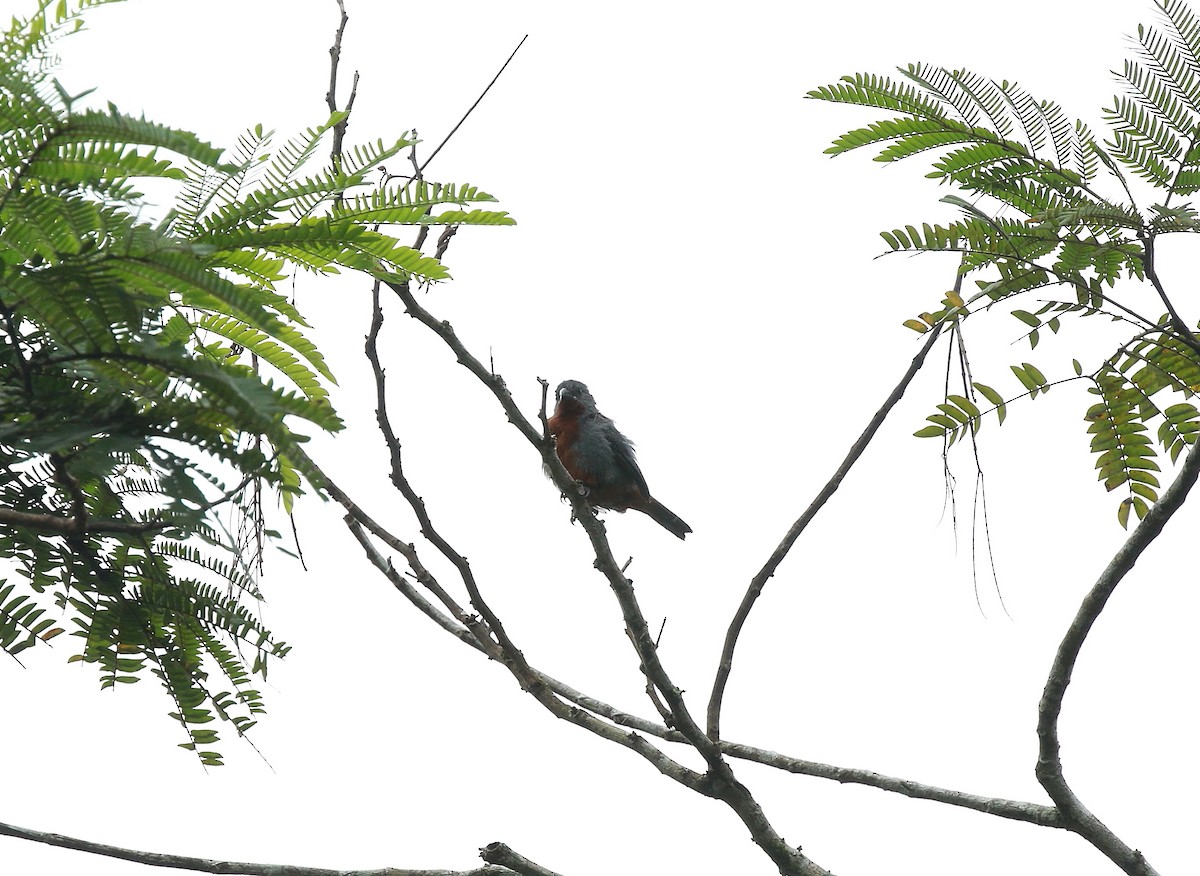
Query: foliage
1051	206
153	377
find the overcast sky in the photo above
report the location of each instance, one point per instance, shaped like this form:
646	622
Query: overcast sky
686	249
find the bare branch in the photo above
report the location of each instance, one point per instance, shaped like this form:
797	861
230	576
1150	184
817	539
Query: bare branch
760	580
1178	325
651	691
499	853
237	868
720	781
335	57
542	411
82	523
428	530
54	524
470	109
444	241
494	382
1017	810
397	469
1049	766
411	593
489	633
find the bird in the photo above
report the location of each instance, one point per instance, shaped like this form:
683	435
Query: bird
600	458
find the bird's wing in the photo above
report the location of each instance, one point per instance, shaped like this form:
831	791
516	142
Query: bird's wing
623	456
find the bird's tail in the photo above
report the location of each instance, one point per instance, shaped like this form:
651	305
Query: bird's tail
665	518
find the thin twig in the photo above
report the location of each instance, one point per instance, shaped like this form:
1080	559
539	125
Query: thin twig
335	57
979	504
444	241
428	530
482	95
652	693
460	631
760	580
1180	327
483	631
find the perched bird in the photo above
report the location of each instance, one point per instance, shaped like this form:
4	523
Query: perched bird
598	456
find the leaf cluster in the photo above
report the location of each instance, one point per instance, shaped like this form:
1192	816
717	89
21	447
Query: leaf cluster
1043	203
153	378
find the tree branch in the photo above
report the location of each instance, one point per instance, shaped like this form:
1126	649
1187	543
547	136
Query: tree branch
499	853
1184	333
720	781
489	633
759	581
14	340
471	108
1049	766
543	688
237	868
510	652
335	57
55	524
1018	810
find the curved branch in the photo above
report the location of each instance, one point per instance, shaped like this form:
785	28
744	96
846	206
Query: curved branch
760	580
1049	766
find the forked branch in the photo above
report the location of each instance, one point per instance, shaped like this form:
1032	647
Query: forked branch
719	782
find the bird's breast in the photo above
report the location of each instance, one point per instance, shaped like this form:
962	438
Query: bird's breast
566	439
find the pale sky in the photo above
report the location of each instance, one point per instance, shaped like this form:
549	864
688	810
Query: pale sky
685	248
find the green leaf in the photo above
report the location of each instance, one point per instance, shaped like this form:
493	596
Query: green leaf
930	432
968	406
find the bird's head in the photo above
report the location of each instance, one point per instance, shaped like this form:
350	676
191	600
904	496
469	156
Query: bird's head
574	391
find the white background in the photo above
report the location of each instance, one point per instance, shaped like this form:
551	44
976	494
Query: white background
686	249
